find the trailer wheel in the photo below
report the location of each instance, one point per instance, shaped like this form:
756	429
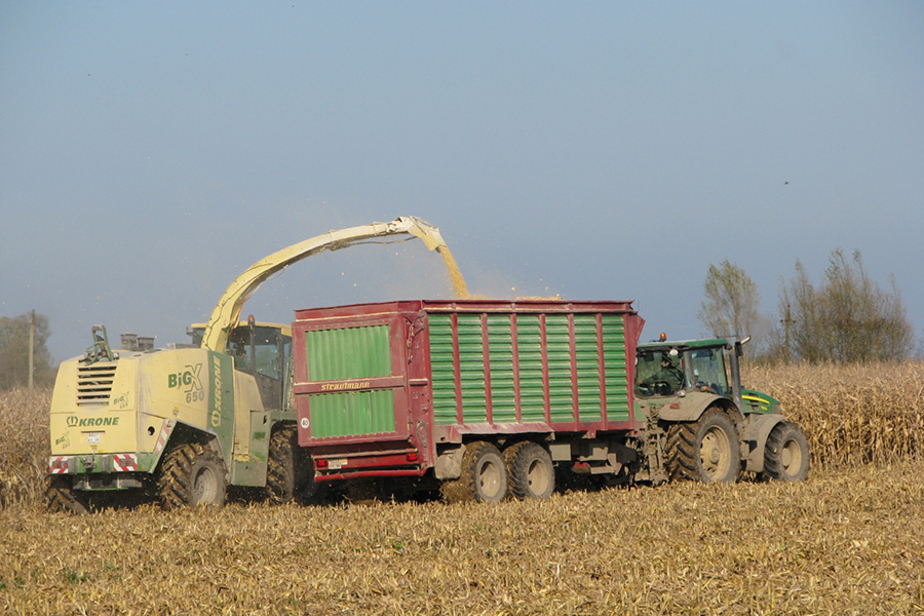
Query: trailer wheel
289	472
59	497
704	450
484	476
192	475
786	453
529	470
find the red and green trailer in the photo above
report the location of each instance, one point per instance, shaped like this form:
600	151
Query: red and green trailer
490	398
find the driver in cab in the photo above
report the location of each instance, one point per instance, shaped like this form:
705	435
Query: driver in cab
669	373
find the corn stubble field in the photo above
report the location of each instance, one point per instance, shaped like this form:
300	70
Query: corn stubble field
850	540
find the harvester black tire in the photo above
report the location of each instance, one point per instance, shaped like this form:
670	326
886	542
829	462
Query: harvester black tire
530	472
483	478
290	472
786	453
192	475
59	497
705	450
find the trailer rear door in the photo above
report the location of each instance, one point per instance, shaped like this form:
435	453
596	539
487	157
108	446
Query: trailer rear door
350	379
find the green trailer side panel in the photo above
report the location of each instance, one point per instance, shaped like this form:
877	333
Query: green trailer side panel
561	401
586	364
614	357
587	359
471	368
500	344
529	350
352	413
441	369
348	353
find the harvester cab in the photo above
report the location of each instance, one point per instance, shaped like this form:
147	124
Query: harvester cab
264	351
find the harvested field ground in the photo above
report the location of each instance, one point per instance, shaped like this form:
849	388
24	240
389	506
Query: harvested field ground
844	542
850	540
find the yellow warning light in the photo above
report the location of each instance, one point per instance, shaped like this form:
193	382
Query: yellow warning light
663	336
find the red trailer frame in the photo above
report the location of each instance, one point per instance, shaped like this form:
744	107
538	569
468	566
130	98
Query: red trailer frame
344	335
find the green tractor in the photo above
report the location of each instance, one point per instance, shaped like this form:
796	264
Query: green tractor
710	428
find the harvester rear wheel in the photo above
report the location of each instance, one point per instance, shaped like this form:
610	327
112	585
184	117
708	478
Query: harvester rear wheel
192	475
529	470
290	472
786	453
484	476
704	450
60	497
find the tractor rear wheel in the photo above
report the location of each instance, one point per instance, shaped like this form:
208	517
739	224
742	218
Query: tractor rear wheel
484	476
192	475
786	453
704	450
290	472
529	470
59	496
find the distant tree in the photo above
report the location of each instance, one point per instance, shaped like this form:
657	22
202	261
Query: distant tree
849	318
732	303
14	351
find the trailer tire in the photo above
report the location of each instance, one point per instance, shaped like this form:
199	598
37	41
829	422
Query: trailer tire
60	497
530	472
786	454
192	475
704	450
483	478
289	470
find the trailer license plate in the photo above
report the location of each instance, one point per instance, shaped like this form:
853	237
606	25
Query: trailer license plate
93	437
336	464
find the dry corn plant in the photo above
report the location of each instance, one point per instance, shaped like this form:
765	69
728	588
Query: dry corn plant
852	414
24	448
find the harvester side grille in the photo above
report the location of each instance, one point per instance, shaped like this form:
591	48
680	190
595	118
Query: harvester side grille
94	383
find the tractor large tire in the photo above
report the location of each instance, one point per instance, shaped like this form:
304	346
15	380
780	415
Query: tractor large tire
192	475
484	476
530	472
290	472
60	497
786	453
704	450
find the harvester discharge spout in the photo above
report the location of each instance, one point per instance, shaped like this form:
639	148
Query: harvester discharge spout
228	310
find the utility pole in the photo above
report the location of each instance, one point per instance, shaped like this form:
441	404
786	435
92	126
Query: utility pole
31	348
786	323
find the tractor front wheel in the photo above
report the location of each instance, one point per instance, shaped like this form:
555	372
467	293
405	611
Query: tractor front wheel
786	453
192	475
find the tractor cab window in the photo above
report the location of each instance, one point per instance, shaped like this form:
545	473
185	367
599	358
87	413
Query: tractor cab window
709	370
659	373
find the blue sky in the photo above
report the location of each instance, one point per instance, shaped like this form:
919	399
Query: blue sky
150	152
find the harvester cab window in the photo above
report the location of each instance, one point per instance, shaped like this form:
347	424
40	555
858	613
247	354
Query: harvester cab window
264	352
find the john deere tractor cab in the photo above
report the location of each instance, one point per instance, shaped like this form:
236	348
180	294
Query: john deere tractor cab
712	427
